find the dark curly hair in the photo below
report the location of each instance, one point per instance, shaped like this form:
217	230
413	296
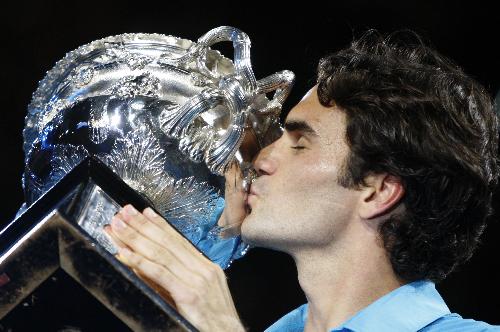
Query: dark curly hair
414	114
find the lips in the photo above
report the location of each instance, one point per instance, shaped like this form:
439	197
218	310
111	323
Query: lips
251	193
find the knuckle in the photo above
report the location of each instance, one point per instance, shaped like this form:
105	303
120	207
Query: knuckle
157	254
211	277
130	259
136	260
189	297
133	219
131	235
212	273
140	219
200	282
156	273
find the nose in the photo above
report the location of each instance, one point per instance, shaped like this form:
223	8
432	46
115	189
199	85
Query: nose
264	163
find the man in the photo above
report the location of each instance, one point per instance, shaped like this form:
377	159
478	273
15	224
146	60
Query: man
379	187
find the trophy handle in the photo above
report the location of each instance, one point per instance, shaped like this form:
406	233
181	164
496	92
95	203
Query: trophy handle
241	44
207	99
235	91
281	83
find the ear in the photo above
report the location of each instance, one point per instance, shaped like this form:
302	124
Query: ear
382	193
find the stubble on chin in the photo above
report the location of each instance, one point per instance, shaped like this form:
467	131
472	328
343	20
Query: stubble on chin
250	233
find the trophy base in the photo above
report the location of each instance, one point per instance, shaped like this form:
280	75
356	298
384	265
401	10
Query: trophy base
53	237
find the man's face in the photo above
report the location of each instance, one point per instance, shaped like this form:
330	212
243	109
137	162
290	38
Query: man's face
296	202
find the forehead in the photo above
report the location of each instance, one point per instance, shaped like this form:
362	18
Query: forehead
326	121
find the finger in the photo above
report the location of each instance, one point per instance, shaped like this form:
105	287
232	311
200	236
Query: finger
234	197
109	234
170	232
151	250
155	275
164	293
155	217
137	242
234	178
153	226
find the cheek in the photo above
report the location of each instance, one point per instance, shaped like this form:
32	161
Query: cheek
316	173
302	194
315	190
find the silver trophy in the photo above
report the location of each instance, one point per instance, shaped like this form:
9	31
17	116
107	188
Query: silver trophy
169	116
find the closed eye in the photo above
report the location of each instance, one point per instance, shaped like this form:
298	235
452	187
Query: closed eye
299	142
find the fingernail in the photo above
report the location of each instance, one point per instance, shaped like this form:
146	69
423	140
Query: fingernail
117	223
130	210
107	231
149	212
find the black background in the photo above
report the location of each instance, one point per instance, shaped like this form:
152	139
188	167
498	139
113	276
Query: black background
37	34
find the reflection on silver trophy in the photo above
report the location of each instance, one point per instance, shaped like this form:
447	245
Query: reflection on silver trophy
167	115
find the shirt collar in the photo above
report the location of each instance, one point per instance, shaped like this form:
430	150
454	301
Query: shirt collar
294	321
407	308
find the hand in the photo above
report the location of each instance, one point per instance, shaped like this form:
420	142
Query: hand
235	209
234	202
173	266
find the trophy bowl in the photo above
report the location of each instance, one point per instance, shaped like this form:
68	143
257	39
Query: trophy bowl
169	116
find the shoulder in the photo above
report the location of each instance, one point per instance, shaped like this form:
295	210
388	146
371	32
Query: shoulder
454	322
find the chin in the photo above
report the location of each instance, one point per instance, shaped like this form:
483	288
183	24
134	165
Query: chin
251	231
255	233
246	228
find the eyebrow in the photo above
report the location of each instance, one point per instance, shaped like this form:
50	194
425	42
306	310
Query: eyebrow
301	126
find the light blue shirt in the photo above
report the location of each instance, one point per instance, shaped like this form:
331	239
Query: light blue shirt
413	307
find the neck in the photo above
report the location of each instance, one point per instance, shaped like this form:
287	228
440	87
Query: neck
342	279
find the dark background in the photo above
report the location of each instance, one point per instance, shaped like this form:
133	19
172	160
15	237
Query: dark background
37	34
